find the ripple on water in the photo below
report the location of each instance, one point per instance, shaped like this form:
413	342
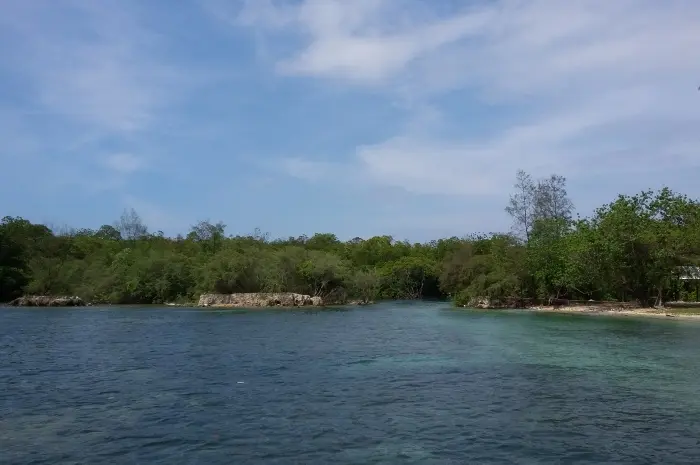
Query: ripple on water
404	383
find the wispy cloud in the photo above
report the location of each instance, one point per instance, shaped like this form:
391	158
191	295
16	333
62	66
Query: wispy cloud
304	169
579	81
415	102
88	62
87	79
124	163
366	41
429	165
347	44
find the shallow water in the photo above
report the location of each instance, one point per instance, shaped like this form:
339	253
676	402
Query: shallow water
394	383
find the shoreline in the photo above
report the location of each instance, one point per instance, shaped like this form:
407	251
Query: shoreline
612	311
249	300
603	310
191	305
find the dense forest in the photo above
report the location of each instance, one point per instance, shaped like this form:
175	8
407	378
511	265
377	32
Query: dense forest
628	250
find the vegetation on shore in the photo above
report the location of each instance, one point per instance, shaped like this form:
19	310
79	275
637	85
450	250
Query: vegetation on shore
628	250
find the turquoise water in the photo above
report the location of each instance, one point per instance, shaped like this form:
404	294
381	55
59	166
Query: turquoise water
394	383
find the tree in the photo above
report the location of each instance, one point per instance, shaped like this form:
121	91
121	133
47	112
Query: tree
521	206
324	273
644	238
546	199
372	252
12	267
328	242
485	268
585	263
365	284
209	236
546	257
551	201
108	232
629	249
409	278
206	231
130	225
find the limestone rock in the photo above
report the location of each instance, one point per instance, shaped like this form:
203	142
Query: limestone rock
261	299
47	301
487	303
481	302
681	304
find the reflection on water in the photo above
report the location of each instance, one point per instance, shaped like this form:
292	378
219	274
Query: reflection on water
395	383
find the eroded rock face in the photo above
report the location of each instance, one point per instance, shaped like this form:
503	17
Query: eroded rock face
681	304
486	303
47	301
262	299
479	302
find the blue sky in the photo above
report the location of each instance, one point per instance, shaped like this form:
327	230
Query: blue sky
362	117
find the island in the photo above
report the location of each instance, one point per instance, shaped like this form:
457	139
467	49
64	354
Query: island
639	251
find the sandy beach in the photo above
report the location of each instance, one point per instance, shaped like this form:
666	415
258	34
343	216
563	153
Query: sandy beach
690	314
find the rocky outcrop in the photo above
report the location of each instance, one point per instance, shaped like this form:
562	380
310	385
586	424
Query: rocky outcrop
47	301
250	300
486	303
682	304
480	302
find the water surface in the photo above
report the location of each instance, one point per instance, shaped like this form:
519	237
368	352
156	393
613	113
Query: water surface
395	383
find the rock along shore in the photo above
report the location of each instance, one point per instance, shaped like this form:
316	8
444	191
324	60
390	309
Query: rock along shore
589	307
259	299
47	301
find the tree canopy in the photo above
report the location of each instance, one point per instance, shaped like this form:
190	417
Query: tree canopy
629	249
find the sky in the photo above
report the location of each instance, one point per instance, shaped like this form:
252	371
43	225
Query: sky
359	117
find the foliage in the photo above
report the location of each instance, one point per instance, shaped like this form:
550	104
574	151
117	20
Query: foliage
630	249
409	277
534	202
487	267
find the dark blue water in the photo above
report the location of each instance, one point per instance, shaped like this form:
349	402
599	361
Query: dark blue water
395	383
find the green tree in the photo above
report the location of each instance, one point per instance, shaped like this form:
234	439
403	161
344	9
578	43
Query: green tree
490	268
365	285
547	257
325	274
12	267
209	236
409	278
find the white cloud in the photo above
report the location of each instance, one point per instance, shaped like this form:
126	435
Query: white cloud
366	58
124	163
90	86
84	62
304	169
100	67
426	165
609	82
363	40
318	171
